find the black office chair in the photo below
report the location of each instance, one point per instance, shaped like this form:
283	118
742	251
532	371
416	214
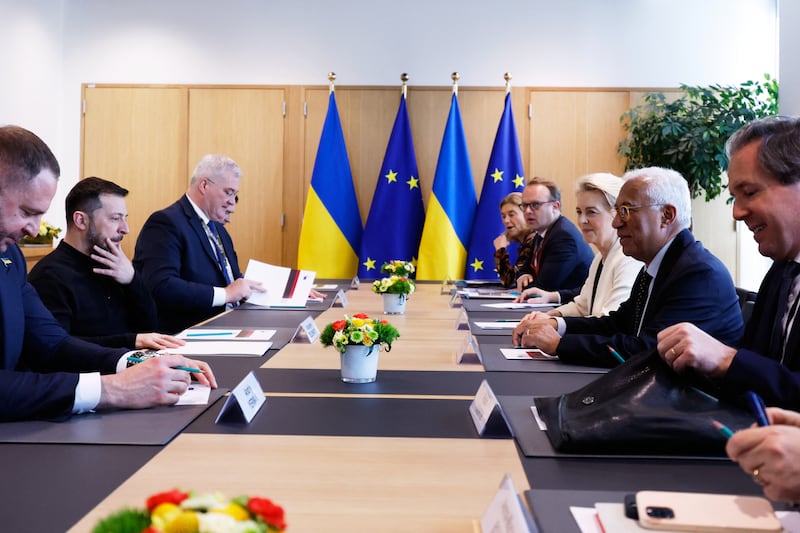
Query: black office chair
747	300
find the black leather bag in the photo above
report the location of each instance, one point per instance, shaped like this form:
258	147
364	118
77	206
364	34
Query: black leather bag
641	407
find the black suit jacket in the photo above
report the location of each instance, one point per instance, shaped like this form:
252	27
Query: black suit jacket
754	367
565	259
39	361
180	268
691	286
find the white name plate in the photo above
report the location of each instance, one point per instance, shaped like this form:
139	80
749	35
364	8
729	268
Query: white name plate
507	513
340	300
244	402
487	415
306	332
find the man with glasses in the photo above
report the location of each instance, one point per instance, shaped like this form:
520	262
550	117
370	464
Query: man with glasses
764	180
560	258
185	255
681	281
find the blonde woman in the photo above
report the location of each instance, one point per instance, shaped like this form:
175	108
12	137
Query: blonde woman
516	231
612	273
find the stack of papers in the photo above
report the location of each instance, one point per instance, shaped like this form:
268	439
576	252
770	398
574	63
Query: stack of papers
488	293
284	287
527	353
249	342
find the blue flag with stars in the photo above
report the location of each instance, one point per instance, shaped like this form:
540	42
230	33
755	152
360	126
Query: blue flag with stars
396	216
504	175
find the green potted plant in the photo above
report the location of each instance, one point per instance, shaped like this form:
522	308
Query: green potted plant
689	133
396	287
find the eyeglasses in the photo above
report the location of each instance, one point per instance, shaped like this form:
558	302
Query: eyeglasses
230	193
624	211
534	205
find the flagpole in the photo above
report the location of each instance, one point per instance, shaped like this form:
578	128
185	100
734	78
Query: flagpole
404	79
507	77
454	76
331	77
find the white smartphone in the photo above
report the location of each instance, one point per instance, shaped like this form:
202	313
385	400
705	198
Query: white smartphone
706	513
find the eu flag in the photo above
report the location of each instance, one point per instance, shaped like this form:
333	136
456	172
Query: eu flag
451	208
503	176
331	233
394	224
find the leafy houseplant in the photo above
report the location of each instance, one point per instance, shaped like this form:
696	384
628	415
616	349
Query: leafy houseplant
359	329
689	133
47	232
398	281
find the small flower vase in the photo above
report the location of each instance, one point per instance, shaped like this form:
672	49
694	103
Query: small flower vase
394	304
360	363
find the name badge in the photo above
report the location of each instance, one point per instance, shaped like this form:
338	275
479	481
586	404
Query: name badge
306	332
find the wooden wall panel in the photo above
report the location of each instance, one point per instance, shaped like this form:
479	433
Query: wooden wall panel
136	137
247	125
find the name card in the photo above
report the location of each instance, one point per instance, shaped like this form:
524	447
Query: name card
469	352
462	320
455	299
340	300
306	332
447	285
244	401
355	283
507	513
487	415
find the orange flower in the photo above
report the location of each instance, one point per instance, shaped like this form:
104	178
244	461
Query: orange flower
339	325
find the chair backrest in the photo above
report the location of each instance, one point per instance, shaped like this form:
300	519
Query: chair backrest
747	300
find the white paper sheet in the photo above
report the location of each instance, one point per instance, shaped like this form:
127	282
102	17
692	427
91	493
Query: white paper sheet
250	348
199	334
497	325
196	394
284	286
513	305
527	353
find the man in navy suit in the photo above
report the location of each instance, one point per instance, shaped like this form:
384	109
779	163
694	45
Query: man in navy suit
560	258
185	255
45	373
764	179
681	281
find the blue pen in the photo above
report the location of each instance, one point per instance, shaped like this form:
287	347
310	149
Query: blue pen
757	407
616	354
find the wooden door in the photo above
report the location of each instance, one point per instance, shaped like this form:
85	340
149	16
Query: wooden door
136	137
247	125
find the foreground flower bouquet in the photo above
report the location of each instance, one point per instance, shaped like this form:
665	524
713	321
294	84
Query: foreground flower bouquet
185	512
359	339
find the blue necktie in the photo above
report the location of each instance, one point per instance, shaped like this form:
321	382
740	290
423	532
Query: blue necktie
219	252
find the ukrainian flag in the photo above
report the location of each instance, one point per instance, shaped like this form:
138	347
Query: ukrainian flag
331	234
451	208
394	224
504	175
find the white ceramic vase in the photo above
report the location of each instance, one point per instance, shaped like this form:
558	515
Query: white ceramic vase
360	363
394	304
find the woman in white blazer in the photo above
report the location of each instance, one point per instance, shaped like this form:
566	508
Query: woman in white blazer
612	273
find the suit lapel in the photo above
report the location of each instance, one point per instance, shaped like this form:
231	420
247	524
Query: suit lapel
193	219
12	311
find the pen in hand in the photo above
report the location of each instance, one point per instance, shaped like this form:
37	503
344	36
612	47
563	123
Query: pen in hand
757	407
616	354
133	359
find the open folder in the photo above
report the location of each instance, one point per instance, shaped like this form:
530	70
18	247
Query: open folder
285	287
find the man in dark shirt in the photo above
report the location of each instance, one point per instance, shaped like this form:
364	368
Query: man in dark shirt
88	283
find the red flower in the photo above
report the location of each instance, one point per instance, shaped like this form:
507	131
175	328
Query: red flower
172	496
151	529
360	315
384	322
339	325
269	512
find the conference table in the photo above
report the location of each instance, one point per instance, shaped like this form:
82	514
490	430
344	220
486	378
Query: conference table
399	454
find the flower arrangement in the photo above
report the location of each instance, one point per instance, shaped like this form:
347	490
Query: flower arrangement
398	281
176	511
47	232
359	329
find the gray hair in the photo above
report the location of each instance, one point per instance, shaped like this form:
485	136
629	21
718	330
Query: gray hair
668	187
603	182
214	165
779	152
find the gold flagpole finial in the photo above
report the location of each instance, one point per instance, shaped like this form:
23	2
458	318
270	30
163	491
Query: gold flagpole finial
404	79
455	76
507	77
331	77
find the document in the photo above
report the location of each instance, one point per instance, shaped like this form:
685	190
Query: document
285	287
513	305
196	394
249	348
500	324
527	353
200	334
494	294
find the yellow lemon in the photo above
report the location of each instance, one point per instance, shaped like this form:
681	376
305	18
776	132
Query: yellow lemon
185	522
163	514
235	510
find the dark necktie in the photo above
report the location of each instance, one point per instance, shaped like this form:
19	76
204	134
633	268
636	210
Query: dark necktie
594	287
639	294
536	257
779	332
219	252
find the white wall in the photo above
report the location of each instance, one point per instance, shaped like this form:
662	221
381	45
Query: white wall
629	43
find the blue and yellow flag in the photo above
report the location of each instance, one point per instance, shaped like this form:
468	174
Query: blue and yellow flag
331	234
448	222
394	224
503	176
